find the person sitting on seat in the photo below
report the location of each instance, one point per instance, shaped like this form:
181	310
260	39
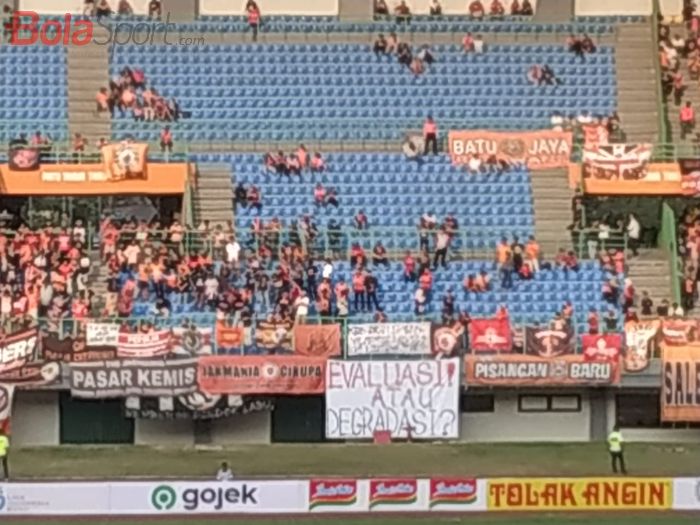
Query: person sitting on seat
476	9
317	163
587	44
515	8
380	45
425	55
293	165
379	255
479	44
380	7
526	9
405	55
403	12
417	67
534	75
497	8
392	44
468	43
125	8
435	8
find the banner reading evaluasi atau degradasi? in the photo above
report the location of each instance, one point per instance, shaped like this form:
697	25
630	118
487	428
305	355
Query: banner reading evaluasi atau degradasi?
416	398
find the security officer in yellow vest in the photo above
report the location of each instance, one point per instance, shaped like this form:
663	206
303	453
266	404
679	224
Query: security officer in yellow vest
615	447
4	449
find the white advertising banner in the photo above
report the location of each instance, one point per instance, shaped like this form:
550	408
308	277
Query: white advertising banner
686	494
102	334
29	499
420	398
281	497
197	497
389	338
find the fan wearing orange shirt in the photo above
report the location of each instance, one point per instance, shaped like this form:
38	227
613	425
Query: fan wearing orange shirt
503	251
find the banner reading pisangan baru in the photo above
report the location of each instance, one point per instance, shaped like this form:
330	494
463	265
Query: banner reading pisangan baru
542	149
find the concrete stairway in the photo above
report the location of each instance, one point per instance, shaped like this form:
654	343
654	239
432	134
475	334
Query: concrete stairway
552	202
650	272
213	198
692	94
549	11
637	84
88	71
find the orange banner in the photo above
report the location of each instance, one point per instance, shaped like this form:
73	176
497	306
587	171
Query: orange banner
660	179
262	375
524	370
680	386
228	336
538	149
321	340
92	179
125	160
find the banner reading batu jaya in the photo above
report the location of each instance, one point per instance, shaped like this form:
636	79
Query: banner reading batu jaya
406	398
680	387
525	370
262	375
542	149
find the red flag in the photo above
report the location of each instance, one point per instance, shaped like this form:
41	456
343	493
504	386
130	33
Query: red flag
602	347
490	335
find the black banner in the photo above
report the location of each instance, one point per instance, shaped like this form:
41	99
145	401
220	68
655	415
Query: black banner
197	406
546	342
449	339
69	350
33	374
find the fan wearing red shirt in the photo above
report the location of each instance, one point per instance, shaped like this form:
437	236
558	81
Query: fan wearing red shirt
593	322
409	268
476	9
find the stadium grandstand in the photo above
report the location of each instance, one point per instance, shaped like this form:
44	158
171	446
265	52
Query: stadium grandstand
227	223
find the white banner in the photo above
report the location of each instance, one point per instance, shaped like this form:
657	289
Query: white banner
389	338
280	497
420	398
102	334
686	494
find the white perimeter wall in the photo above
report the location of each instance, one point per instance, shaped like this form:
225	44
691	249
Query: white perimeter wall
271	7
61	7
613	7
506	424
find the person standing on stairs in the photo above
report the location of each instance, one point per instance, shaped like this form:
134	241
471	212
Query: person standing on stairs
687	118
430	131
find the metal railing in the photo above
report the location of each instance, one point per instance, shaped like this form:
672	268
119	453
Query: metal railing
664	126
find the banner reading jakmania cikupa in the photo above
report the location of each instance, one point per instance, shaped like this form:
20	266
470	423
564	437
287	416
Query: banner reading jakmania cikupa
197	406
277	374
680	385
104	379
525	370
17	349
542	149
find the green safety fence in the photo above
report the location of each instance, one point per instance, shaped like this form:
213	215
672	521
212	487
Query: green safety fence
668	242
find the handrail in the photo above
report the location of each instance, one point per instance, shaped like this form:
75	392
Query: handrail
668	241
661	104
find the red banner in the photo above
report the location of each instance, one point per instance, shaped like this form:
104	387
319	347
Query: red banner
262	375
321	340
144	345
542	149
490	335
17	349
602	347
680	332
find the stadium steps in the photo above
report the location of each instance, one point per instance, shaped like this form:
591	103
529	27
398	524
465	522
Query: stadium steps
549	11
88	71
551	198
213	198
650	272
637	85
692	94
97	278
354	11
